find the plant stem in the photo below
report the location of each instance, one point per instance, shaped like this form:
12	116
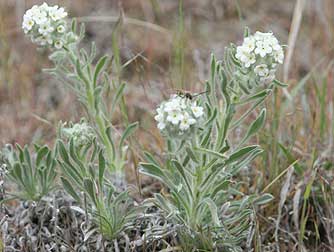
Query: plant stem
94	111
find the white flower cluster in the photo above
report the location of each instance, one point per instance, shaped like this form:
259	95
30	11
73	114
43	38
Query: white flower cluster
178	115
260	54
81	133
46	25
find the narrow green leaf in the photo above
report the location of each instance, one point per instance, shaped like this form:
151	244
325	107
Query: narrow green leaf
81	75
41	153
259	95
111	141
245	160
70	172
255	126
118	95
152	170
21	153
75	158
99	67
102	167
17	172
206	137
221	186
263	199
92	52
213	68
63	152
192	155
250	110
281	84
241	153
90	189
212	118
180	169
211	152
243	88
69	189
127	132
213	209
208	91
246	32
162	202
74	26
82	31
150	158
30	169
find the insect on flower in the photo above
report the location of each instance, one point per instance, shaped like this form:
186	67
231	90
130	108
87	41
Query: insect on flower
187	94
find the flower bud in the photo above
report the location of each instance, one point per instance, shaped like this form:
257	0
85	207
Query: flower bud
81	133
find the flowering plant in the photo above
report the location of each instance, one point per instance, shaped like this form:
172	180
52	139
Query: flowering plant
47	27
74	66
203	201
92	153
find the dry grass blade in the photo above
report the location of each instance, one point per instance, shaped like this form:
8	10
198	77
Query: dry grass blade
129	21
279	176
20	8
295	25
331	132
296	200
171	249
283	196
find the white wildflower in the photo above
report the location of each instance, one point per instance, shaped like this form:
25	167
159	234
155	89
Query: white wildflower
172	105
250	59
27	24
177	116
249	44
260	53
174	117
40	17
262	35
184	125
59	44
57	13
161	125
186	122
198	111
32	11
159	117
46	26
279	55
61	29
262	48
247	58
44	7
